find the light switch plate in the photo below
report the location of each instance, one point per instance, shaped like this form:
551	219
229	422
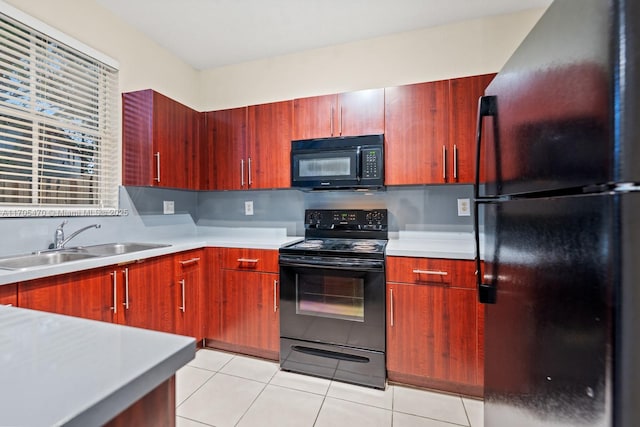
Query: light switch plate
464	207
248	207
168	207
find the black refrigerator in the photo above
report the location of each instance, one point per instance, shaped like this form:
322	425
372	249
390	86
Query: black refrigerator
557	204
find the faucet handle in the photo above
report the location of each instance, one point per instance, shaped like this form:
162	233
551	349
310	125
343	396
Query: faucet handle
63	223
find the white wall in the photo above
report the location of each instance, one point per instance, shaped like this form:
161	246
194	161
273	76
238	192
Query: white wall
466	48
461	49
143	63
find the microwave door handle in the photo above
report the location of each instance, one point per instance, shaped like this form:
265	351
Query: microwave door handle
359	163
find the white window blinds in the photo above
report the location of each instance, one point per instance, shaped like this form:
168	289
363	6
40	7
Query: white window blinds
58	127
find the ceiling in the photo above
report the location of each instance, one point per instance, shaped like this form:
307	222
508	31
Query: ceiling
214	33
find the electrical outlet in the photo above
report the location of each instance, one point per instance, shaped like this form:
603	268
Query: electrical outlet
464	207
168	207
248	207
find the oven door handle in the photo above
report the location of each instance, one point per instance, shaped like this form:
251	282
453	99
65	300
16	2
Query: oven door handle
359	265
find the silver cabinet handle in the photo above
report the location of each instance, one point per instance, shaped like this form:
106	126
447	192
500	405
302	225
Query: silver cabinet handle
249	167
331	120
189	261
455	161
182	307
115	292
241	172
157	156
391	307
250	260
432	272
340	130
275	296
126	288
7	305
444	163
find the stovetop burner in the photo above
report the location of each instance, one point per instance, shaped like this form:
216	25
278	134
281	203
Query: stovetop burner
343	233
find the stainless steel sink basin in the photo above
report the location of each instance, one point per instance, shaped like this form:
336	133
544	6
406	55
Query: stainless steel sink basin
42	258
118	248
59	256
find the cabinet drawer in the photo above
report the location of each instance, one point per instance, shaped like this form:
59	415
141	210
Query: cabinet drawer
189	259
445	272
249	259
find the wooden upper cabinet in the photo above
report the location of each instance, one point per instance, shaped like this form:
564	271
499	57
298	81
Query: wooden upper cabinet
346	114
463	115
269	145
160	141
416	128
225	142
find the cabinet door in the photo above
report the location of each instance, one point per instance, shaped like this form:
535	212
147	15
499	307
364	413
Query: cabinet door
138	161
226	139
249	310
90	294
9	294
147	294
361	113
211	294
416	129
432	335
170	142
187	302
269	145
315	117
463	115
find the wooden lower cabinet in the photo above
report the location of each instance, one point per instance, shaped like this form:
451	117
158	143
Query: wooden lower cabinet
433	332
87	294
9	294
156	408
249	312
187	298
145	294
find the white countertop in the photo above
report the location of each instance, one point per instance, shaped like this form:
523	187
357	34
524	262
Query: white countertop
61	370
229	237
425	244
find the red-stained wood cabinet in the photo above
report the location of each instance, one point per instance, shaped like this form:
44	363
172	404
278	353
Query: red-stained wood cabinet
90	294
146	294
269	137
248	147
463	116
9	294
245	297
345	114
433	324
430	131
187	302
160	141
223	162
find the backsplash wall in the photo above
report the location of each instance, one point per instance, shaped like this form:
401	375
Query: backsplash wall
424	208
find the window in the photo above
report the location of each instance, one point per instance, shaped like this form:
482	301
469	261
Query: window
58	126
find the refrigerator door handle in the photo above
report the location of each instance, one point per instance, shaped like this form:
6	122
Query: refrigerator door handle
486	291
487	107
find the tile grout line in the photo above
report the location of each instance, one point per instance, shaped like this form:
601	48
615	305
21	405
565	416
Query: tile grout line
195	421
194	391
252	402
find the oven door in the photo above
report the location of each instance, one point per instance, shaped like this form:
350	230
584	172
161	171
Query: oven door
325	169
333	301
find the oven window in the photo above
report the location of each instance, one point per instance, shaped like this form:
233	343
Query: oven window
336	166
330	296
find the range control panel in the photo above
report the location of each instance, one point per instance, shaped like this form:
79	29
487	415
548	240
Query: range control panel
355	218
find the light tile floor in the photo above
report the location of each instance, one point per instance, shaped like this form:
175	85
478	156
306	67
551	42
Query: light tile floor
222	389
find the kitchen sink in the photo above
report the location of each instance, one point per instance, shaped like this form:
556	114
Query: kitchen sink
107	249
59	256
42	258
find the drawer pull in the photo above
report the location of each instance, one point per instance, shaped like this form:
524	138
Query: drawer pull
432	272
189	261
249	260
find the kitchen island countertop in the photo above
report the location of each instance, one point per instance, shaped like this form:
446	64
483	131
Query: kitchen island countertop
60	370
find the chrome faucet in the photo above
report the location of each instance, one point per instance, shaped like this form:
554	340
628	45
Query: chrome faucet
58	237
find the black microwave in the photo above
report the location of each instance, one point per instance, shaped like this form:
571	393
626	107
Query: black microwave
349	162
